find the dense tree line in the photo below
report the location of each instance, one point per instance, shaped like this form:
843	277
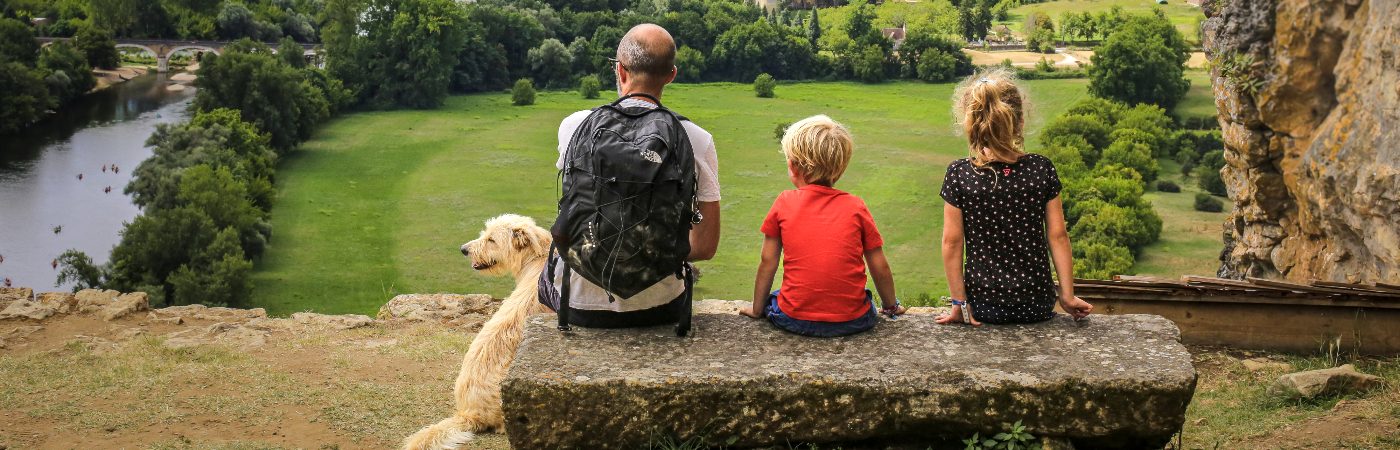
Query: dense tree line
263	20
207	192
35	80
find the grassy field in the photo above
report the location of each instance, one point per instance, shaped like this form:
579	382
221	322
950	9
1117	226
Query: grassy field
1182	15
1200	100
1191	240
378	203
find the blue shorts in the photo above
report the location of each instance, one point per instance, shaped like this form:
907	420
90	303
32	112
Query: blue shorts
821	329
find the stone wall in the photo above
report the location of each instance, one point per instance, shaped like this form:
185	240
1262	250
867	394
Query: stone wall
1314	153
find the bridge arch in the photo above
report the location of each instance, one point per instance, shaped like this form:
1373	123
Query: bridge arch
154	53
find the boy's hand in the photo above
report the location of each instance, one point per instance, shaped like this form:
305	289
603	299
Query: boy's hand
955	317
748	311
898	310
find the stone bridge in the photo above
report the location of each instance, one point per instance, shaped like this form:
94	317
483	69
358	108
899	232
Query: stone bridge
164	48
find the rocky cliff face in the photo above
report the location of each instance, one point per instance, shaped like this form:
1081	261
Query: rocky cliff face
1313	151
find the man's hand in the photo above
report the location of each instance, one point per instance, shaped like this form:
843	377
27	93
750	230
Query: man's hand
748	311
1076	307
955	317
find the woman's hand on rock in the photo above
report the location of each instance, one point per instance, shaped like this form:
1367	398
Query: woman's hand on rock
955	317
1076	307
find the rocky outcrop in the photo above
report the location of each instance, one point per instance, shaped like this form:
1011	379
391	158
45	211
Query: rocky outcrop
11	294
1110	381
1314	152
1340	380
466	311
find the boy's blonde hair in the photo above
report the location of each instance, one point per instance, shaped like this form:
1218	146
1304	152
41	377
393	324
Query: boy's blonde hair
991	109
821	148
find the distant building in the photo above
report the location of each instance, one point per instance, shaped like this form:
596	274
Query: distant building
894	34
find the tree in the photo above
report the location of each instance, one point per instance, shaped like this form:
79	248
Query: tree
690	63
24	95
975	19
551	63
17	43
77	267
1208	172
870	65
70	74
1091	128
523	94
1141	62
236	22
405	55
217	139
860	22
764	85
588	86
1132	155
99	47
814	30
745	51
1039	29
936	66
275	97
291	52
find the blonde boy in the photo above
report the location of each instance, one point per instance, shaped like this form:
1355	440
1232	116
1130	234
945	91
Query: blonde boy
826	239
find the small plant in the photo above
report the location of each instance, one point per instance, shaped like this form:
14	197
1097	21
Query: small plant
589	86
523	94
1044	65
779	129
1168	186
1006	64
764	85
1017	439
1207	203
1239	69
1047	48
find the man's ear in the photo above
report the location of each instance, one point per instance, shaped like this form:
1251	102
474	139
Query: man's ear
674	71
620	74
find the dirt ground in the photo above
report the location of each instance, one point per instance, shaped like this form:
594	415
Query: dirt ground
1020	59
79	382
1197	61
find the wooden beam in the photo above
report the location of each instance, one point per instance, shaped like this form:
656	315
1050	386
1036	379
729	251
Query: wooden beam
1307	288
1271	298
1359	287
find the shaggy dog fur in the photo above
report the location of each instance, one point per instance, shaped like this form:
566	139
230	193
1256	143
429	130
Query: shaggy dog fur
509	244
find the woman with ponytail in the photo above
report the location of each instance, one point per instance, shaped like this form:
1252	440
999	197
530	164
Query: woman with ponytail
1002	210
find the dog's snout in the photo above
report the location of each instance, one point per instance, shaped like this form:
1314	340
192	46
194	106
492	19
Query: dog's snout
466	252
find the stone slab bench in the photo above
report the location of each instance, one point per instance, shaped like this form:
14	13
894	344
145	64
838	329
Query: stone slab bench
1104	382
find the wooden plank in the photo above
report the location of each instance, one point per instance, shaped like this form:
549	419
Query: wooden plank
1081	281
1307	288
1260	298
1286	328
1148	279
1229	282
1359	287
1395	287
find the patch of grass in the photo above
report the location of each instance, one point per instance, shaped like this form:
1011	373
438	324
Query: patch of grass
422	185
1200	99
1191	240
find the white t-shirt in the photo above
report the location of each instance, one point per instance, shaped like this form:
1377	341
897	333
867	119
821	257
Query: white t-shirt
587	295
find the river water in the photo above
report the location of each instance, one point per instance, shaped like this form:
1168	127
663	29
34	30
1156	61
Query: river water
39	185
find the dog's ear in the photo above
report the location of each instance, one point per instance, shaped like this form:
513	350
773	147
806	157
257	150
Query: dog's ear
526	240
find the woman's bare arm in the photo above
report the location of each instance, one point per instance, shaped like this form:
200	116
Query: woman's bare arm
1058	236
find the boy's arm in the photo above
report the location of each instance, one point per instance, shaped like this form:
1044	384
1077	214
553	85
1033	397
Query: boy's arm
884	279
767	269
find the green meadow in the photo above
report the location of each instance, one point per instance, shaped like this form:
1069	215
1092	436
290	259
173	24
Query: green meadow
1181	14
378	203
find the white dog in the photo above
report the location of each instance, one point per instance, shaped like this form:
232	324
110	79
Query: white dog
509	244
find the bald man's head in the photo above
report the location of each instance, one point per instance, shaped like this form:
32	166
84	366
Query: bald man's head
648	52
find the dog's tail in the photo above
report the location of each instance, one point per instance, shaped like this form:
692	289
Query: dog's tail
445	435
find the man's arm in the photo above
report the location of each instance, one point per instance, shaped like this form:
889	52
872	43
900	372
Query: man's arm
704	237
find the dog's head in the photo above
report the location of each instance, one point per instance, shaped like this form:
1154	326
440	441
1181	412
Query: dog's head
507	243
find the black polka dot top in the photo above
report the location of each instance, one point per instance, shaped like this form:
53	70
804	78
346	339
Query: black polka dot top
1006	257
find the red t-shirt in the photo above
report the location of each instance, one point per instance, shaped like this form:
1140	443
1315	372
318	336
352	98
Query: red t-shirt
825	234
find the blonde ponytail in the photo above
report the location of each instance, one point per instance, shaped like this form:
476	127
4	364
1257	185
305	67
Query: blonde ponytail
990	108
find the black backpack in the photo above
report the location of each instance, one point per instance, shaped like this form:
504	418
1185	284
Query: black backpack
627	203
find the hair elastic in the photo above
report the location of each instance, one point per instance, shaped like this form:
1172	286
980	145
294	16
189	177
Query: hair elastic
984	80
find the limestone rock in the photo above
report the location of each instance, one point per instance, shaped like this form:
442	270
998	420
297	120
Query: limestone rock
344	322
92	301
201	312
1111	381
28	309
65	302
1340	380
224	333
11	294
1314	154
712	306
436	307
125	305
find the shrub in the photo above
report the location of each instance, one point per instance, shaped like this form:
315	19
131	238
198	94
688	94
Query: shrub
779	129
1132	155
1102	261
1186	156
764	85
1208	203
1187	167
936	66
870	65
1168	186
588	86
1047	48
1208	172
523	93
1091	128
1044	65
1006	64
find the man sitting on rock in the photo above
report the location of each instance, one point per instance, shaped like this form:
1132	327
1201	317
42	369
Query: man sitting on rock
644	65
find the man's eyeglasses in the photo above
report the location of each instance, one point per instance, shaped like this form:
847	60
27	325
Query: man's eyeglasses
619	63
